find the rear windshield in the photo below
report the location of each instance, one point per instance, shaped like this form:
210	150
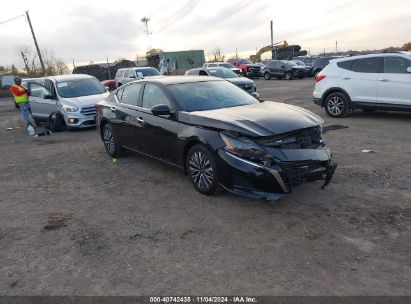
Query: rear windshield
80	87
227	65
222	73
148	72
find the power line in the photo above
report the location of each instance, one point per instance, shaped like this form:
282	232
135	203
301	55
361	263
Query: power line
2	22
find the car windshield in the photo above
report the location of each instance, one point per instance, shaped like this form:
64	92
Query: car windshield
290	63
79	87
227	65
209	95
148	72
245	61
298	62
222	73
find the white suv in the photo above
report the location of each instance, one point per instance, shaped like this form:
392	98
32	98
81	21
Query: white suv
368	82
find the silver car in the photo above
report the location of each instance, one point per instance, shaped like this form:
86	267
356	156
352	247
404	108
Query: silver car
73	96
126	75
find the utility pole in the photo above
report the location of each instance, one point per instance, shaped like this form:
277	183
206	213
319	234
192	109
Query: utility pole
272	41
108	70
35	42
336	47
74	66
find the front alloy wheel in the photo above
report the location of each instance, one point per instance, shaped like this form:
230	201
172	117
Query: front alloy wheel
110	143
336	105
202	169
267	76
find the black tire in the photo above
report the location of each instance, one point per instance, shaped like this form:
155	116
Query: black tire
267	76
56	122
301	77
337	105
288	76
201	168
110	142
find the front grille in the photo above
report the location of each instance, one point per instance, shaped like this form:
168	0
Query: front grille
295	171
309	138
89	110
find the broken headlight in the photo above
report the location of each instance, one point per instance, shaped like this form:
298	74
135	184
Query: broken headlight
243	147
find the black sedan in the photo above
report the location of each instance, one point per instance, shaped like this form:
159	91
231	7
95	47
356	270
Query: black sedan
217	133
242	82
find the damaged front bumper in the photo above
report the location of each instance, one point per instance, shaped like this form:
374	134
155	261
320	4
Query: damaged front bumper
274	180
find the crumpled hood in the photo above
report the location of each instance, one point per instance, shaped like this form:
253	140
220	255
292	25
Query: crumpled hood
255	120
84	100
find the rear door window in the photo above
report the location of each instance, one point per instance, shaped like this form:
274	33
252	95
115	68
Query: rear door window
130	94
396	65
366	65
346	65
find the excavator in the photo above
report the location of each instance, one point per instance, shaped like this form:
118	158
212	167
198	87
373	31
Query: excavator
280	50
268	48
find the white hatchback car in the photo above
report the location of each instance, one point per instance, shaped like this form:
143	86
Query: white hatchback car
368	82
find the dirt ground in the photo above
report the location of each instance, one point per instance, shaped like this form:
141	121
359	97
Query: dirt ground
74	223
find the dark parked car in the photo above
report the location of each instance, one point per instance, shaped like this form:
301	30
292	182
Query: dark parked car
283	69
217	133
241	82
308	69
308	60
320	63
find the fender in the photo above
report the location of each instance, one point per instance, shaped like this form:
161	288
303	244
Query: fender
334	89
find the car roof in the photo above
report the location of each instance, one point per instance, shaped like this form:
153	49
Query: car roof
59	78
368	56
142	68
166	80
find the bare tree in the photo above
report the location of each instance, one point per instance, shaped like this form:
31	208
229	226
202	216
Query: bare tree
60	67
407	46
218	55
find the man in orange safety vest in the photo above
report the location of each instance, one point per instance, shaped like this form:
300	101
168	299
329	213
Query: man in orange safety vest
21	97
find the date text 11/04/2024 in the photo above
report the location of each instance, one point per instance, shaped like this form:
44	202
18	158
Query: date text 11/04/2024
203	299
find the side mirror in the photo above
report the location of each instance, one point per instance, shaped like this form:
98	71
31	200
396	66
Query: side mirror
409	70
161	109
256	96
48	97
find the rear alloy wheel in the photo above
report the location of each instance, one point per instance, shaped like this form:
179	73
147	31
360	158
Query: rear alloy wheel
202	169
110	142
336	105
267	76
288	76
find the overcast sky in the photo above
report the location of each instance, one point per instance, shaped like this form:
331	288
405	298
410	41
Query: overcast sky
93	29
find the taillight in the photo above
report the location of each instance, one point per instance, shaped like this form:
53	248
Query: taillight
319	78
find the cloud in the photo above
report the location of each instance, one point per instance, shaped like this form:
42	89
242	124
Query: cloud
94	29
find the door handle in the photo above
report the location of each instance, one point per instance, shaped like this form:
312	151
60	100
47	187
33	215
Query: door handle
346	78
140	120
113	109
384	80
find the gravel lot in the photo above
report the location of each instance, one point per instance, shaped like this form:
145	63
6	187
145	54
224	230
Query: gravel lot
74	223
